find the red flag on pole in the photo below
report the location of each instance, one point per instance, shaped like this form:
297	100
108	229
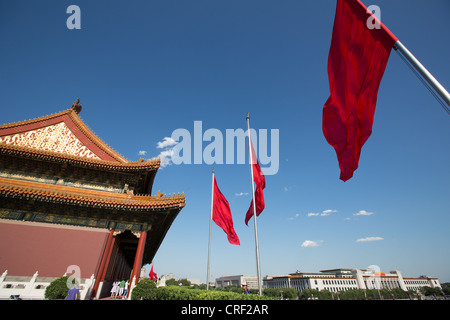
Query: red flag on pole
221	215
356	63
153	275
260	182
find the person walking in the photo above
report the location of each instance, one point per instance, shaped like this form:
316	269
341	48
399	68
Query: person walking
114	289
121	288
125	291
73	293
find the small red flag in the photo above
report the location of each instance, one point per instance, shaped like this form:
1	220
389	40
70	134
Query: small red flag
152	275
221	215
356	63
260	182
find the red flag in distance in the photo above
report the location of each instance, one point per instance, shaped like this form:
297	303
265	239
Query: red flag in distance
152	275
221	215
260	182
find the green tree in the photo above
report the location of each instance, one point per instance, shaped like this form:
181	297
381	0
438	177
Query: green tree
309	294
289	293
173	282
57	289
325	294
353	294
428	291
271	292
144	290
201	286
399	293
281	293
446	288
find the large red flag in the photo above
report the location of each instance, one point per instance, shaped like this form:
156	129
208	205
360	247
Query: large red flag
260	182
221	215
356	63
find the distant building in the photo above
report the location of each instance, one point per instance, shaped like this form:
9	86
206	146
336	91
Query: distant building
194	281
336	280
239	280
165	277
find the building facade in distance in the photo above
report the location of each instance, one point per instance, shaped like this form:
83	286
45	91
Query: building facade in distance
341	279
238	280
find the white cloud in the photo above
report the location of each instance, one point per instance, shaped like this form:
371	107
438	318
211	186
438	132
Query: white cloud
167	142
294	217
368	239
286	189
240	194
165	157
363	213
323	214
310	244
142	152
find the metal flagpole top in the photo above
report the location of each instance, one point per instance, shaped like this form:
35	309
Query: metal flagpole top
399	47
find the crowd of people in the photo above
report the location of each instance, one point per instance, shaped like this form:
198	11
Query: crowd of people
120	289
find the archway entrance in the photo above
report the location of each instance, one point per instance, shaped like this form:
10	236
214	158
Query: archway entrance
121	260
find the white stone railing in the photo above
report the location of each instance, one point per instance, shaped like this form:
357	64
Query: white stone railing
31	289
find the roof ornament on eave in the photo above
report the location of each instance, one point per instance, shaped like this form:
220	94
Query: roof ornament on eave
76	106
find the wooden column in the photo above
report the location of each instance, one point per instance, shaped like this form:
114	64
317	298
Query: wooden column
139	255
104	262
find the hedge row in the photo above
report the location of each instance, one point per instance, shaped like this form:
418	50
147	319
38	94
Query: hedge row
146	290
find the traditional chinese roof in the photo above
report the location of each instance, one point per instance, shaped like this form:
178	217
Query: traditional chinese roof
23	151
29	190
62	135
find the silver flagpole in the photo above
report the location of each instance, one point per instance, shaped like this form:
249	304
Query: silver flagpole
399	47
210	220
254	206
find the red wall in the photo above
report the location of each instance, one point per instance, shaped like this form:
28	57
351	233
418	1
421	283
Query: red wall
27	247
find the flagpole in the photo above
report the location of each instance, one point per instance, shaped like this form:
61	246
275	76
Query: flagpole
254	205
399	47
210	220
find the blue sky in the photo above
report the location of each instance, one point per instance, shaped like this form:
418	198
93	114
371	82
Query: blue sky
143	69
